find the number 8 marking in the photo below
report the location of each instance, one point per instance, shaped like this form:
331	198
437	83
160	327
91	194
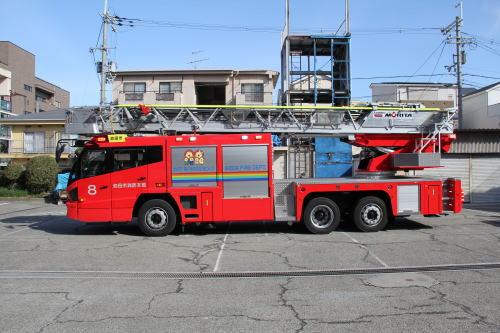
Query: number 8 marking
92	190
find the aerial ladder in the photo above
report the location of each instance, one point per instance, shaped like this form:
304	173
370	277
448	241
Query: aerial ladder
394	136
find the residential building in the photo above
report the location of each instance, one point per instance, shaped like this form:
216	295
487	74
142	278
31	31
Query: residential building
209	87
482	108
33	134
432	95
21	91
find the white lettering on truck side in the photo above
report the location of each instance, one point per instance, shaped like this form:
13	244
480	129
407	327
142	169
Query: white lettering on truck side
91	190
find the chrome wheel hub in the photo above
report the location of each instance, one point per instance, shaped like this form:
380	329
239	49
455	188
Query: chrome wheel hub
156	218
322	216
371	214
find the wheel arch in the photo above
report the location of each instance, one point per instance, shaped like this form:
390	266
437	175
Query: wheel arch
162	196
347	200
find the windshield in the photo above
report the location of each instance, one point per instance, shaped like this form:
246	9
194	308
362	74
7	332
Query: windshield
91	162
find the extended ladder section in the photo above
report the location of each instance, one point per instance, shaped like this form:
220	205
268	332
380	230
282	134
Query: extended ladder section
300	120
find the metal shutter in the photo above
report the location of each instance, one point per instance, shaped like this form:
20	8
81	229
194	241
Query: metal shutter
279	164
454	166
486	178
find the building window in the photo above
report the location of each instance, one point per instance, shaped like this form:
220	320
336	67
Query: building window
254	92
170	87
134	87
167	91
134	91
28	88
58	104
34	142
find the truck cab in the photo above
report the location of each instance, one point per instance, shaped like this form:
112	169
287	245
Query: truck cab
194	178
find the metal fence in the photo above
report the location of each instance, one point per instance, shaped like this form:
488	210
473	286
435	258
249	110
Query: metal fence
45	146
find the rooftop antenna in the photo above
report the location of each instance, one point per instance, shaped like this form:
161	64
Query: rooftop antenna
196	60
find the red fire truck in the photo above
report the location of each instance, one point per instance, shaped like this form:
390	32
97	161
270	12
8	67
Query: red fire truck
163	181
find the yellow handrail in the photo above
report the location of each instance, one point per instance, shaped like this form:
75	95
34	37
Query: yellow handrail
280	107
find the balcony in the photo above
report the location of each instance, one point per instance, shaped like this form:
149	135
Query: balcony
150	97
134	96
258	98
165	97
31	147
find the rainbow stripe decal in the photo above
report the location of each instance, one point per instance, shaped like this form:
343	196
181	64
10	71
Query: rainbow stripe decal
243	176
210	177
194	177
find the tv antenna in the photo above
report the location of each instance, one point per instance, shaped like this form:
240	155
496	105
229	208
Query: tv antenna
196	58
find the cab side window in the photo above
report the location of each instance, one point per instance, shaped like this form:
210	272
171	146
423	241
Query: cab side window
127	158
93	163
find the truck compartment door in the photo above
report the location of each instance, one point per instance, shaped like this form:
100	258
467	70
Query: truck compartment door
207	206
246	177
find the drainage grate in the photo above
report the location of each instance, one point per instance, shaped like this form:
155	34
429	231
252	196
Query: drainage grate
219	275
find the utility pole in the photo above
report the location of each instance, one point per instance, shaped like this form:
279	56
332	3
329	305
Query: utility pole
287	82
347	19
459	58
104	56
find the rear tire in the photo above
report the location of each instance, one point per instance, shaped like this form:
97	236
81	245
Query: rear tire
321	216
157	218
370	214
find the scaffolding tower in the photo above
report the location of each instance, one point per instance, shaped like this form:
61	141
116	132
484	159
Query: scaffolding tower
316	68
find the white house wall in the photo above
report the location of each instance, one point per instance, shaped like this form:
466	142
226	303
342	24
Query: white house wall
188	94
478	114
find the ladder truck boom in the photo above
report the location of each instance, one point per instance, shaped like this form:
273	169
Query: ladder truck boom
303	120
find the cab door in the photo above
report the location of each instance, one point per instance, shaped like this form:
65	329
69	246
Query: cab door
128	180
94	190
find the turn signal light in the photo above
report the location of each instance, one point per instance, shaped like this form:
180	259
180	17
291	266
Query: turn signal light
160	184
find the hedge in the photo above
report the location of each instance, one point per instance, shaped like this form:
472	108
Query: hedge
41	173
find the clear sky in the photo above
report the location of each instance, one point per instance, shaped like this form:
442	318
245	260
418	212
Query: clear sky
60	33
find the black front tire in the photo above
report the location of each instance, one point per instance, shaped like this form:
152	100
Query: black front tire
321	216
370	214
157	218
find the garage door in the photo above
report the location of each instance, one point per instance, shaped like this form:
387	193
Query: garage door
485	178
454	166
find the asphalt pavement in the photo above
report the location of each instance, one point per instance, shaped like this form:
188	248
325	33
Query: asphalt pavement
60	275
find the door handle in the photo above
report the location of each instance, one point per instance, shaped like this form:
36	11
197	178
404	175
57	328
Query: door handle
103	187
141	178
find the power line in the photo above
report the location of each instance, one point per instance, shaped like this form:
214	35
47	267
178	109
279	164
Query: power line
483	76
427	60
400	76
434	70
137	22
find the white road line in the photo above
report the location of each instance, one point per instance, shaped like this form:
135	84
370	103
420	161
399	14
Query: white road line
3	203
367	249
219	256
